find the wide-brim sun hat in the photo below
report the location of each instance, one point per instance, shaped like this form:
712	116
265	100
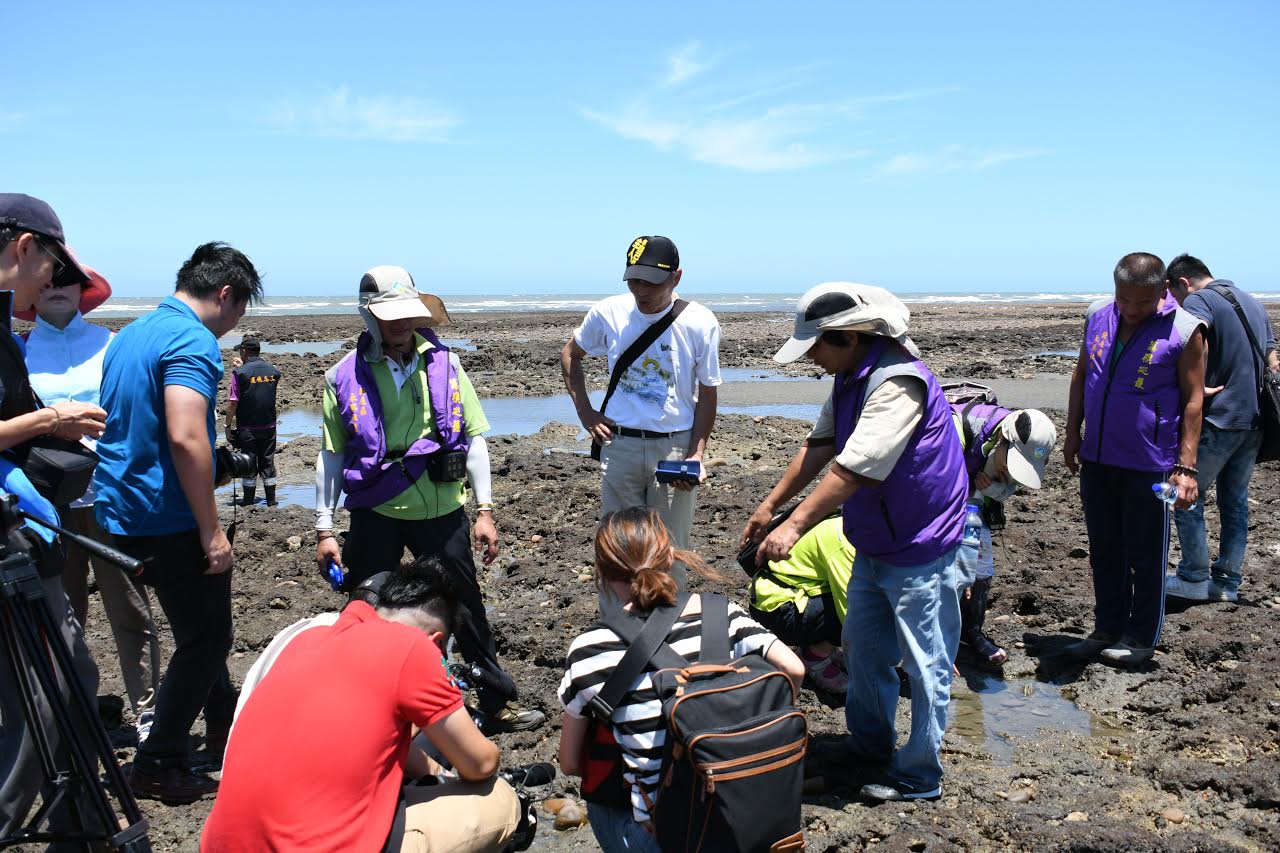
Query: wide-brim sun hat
389	294
848	306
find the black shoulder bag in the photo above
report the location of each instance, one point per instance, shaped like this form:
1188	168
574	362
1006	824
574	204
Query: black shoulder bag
60	470
1268	390
628	357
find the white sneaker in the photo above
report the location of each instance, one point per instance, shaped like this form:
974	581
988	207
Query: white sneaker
1176	587
1218	593
145	719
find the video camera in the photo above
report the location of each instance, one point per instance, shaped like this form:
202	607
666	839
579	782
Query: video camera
229	463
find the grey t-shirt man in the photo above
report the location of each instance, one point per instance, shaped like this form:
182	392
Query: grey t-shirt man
1233	363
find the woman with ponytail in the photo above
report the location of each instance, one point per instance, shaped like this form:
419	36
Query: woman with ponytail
633	563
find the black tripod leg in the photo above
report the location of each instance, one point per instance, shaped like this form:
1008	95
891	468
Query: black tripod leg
32	638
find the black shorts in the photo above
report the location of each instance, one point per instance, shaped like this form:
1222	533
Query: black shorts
817	623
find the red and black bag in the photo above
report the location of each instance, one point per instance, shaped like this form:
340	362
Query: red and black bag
602	780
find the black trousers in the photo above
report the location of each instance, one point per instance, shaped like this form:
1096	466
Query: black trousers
376	543
1128	549
198	607
817	623
261	443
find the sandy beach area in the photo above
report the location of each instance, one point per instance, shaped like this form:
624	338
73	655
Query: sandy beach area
1182	754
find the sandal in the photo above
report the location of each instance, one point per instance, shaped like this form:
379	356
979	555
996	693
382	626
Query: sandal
984	648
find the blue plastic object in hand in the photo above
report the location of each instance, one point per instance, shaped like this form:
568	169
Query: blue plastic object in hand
678	470
336	577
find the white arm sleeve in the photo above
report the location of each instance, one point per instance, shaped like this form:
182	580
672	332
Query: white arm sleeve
328	487
478	470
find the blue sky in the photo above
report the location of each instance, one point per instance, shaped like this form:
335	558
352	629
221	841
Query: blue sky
504	148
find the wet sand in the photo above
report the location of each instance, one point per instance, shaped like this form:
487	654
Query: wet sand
1106	753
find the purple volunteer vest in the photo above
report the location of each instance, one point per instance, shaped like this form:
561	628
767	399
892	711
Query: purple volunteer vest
368	477
982	420
917	514
1132	403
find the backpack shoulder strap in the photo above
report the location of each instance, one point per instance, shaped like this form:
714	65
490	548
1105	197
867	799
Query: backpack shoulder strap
638	346
646	643
715	628
1225	293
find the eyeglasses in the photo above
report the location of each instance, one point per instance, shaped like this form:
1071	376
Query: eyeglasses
59	265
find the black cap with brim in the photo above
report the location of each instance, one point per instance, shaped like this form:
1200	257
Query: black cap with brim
653	275
653	259
27	213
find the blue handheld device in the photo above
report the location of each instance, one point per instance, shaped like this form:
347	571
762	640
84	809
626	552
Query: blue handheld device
336	577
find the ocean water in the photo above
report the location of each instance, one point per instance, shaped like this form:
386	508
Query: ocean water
132	306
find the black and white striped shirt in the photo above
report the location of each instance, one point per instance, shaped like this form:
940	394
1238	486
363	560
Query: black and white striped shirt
637	721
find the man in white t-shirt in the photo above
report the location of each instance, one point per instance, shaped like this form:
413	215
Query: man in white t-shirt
665	404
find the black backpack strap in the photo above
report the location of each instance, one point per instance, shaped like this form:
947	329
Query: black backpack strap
1225	293
715	628
637	348
646	643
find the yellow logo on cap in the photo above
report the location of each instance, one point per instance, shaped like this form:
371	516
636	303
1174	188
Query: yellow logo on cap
637	250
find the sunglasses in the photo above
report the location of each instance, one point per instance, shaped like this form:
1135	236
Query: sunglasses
59	265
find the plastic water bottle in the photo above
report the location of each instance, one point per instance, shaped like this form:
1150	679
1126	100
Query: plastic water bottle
972	526
1166	492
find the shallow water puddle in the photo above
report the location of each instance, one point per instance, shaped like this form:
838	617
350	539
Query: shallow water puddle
287	494
797	411
290	347
998	714
296	423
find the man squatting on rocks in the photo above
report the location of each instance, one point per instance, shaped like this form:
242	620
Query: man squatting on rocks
900	475
65	356
1138	385
383	666
251	417
155	481
1230	435
33	255
1003	450
665	403
403	433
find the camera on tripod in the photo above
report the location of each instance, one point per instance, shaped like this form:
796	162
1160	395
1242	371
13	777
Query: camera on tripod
231	463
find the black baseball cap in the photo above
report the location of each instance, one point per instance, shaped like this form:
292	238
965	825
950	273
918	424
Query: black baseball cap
251	343
651	259
26	213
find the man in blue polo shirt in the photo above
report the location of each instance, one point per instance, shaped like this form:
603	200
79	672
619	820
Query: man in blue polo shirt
155	496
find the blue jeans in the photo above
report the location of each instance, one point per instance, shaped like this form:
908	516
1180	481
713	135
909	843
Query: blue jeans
909	614
617	831
1225	458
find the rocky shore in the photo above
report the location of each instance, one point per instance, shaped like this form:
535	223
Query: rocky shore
1182	754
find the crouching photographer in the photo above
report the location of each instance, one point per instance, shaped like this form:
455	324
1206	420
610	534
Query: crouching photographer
32	257
331	724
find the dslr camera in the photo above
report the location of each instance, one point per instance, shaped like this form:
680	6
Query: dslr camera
231	463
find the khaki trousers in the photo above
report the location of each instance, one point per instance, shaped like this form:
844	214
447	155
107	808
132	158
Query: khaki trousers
126	603
627	468
459	817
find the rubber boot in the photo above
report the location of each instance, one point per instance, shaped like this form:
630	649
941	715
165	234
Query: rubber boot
271	495
247	500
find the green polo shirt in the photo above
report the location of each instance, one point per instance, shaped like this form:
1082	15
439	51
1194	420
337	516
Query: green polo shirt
405	420
820	562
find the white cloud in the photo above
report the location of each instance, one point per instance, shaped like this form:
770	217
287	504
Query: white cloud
753	121
774	140
343	115
955	158
684	65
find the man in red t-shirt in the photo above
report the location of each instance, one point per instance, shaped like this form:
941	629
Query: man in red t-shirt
320	750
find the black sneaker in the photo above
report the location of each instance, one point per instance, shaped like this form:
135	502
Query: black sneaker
174	786
1089	647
